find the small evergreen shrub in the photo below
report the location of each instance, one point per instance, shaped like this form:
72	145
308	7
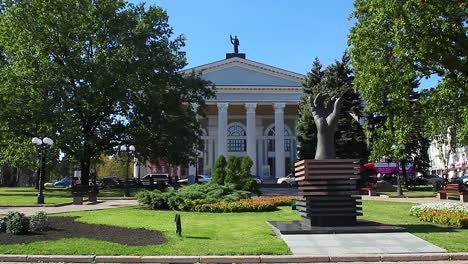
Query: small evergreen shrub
219	171
38	221
16	223
187	197
2	225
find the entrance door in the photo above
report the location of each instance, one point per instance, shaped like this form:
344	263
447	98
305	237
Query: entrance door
271	163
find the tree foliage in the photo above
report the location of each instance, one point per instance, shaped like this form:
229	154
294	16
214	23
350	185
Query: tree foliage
114	166
219	171
95	74
335	80
232	171
394	45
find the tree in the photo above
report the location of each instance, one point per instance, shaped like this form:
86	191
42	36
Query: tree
246	181
232	171
336	80
396	43
96	74
219	171
114	166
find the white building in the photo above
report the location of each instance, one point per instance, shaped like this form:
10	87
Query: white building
457	161
252	102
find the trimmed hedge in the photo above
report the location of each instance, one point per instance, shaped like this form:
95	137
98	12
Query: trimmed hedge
262	204
187	197
445	213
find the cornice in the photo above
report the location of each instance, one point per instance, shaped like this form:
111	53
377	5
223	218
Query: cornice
253	65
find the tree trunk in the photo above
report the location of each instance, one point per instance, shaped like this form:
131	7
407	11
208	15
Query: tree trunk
85	169
403	171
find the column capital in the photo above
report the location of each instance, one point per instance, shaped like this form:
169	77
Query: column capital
250	107
279	107
222	107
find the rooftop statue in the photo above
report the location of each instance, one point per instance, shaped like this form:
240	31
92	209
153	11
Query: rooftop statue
235	42
326	117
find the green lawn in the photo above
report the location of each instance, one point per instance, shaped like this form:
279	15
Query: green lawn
452	239
225	234
202	234
418	191
23	196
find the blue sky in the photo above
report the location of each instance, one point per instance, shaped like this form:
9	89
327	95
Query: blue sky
282	33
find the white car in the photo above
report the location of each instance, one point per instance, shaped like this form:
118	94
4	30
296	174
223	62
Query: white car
288	180
200	179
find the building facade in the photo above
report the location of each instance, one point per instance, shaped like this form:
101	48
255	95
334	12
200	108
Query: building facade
253	101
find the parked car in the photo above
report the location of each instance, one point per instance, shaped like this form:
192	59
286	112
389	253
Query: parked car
64	182
200	179
258	179
464	179
288	180
157	177
431	179
110	182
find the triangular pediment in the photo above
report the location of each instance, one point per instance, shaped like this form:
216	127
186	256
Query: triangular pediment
241	72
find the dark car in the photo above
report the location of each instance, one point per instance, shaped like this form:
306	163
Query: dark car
110	182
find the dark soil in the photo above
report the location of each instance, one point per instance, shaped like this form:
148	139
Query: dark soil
67	227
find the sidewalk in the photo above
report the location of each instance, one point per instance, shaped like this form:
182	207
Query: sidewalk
417	200
102	204
443	258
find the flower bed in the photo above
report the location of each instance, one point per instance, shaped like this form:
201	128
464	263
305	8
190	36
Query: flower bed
261	204
446	213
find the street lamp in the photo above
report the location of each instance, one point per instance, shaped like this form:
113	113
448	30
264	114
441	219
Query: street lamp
42	143
130	149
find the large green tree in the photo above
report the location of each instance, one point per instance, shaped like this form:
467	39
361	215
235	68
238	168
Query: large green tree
335	80
95	74
394	45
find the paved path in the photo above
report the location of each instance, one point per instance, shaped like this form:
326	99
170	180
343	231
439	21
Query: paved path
103	204
408	200
352	244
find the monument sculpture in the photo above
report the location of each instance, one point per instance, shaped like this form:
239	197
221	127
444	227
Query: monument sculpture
235	42
326	117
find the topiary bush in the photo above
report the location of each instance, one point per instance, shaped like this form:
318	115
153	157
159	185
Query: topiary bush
38	221
16	223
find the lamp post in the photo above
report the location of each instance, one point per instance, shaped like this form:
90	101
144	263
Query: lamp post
128	150
42	143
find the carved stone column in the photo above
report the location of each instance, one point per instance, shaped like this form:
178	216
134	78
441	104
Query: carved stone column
222	129
251	135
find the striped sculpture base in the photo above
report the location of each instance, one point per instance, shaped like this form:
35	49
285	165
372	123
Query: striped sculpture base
328	190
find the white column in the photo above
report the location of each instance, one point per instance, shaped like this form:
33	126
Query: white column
251	135
279	139
222	129
260	149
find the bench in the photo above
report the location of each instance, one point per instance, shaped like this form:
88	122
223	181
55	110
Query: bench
453	189
371	191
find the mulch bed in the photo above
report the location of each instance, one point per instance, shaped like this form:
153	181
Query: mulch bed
67	227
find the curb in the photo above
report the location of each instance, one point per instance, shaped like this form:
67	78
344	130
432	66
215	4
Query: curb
431	257
35	205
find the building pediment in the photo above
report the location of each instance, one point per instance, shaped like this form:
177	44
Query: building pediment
242	72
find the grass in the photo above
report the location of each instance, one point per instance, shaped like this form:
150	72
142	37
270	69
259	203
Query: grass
452	239
202	234
225	233
417	191
27	195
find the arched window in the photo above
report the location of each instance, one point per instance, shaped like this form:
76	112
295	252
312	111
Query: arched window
236	138
271	140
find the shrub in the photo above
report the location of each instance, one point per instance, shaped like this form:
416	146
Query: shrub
187	197
262	204
2	225
232	171
442	213
16	223
38	221
153	199
219	171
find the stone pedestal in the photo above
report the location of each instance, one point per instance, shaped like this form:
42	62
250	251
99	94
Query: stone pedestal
329	193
